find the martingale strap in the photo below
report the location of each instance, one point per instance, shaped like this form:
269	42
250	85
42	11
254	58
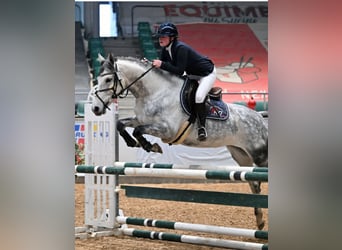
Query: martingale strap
181	135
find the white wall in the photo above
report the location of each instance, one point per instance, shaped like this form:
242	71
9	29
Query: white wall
175	154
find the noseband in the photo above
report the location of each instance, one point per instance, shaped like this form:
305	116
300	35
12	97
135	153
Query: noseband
117	81
113	88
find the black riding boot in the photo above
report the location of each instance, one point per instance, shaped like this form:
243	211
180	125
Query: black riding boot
201	116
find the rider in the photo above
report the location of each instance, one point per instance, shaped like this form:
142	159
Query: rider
178	57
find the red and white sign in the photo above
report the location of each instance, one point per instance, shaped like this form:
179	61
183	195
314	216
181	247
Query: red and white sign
241	60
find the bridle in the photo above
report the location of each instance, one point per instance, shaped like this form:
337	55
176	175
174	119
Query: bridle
116	82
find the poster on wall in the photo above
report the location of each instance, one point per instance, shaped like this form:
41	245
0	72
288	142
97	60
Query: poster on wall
241	60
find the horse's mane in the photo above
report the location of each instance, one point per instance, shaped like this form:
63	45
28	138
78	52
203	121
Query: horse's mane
147	65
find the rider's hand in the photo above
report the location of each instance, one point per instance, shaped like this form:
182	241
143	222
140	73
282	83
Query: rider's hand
156	63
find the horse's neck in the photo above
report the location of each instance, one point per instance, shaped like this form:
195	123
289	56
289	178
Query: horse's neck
150	84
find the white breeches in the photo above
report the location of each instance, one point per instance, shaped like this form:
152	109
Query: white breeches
205	84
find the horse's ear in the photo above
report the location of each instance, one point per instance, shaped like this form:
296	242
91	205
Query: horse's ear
111	58
100	58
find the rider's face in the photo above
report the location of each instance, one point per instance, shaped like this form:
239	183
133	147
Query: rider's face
164	41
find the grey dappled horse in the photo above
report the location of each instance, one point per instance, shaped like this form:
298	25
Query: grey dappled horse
159	113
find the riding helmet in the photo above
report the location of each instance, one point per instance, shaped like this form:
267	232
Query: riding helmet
167	29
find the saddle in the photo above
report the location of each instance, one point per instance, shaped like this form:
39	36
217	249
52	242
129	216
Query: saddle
216	108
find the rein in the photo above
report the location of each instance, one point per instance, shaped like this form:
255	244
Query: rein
114	87
141	76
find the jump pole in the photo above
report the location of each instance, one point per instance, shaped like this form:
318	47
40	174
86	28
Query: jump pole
232	244
195	167
175	173
257	234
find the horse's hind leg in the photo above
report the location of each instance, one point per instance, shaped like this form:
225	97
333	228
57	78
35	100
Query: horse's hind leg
243	159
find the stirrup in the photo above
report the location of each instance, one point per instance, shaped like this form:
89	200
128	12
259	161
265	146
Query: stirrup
202	134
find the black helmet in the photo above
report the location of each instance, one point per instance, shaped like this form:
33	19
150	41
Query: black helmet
167	29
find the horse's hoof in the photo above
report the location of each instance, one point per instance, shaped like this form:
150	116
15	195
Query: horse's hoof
261	225
156	148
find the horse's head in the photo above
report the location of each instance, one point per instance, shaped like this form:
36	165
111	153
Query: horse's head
109	85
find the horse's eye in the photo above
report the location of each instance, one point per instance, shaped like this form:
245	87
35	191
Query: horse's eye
108	80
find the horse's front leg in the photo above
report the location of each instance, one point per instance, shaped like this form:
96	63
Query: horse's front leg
121	127
154	130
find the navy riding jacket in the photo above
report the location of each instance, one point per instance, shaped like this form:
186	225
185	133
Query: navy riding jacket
185	59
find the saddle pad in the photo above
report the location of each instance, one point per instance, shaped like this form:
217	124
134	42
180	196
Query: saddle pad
216	109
